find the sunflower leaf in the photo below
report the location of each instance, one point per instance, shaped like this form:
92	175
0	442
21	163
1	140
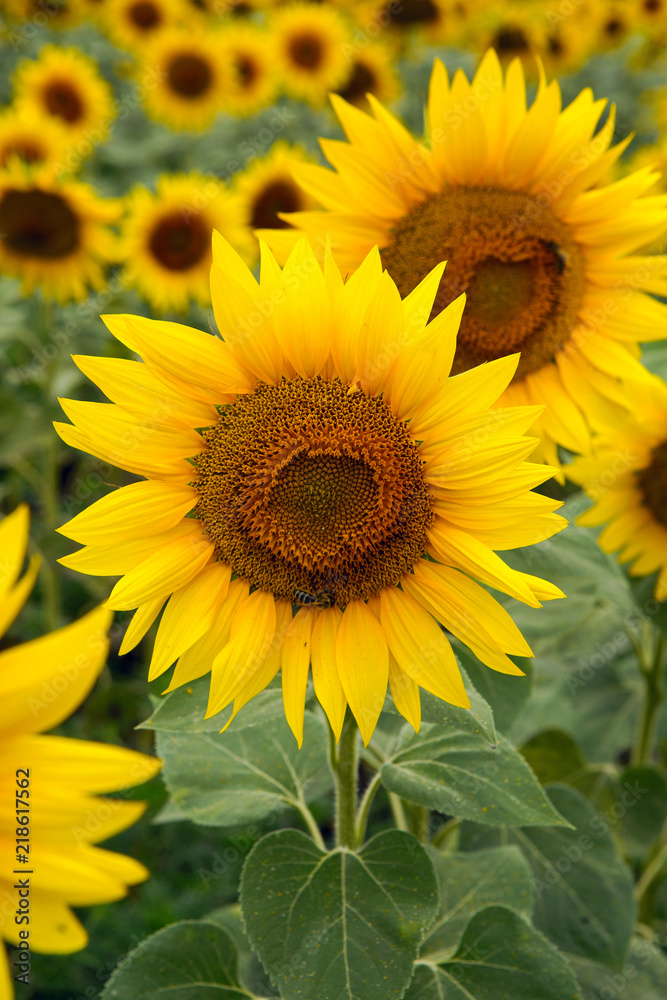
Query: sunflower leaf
341	925
500	955
242	775
192	959
643	977
471	882
183	710
459	772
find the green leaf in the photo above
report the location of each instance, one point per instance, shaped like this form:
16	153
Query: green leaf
476	719
555	757
584	898
183	711
222	779
191	960
500	956
458	772
471	882
642	805
506	694
342	925
643	976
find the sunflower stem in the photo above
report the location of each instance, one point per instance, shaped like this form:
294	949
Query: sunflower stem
345	767
653	696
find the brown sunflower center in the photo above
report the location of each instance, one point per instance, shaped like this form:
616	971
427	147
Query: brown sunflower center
614	27
37	223
63	100
510	40
652	482
652	6
145	16
414	12
304	486
519	266
361	82
306	51
189	76
247	70
279	196
179	241
30	152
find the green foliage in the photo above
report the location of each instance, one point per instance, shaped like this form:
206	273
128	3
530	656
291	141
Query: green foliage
342	925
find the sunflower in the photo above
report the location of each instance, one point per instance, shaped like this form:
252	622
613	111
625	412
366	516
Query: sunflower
608	23
66	84
564	47
54	234
626	476
266	188
41	683
513	199
52	14
310	50
31	137
316	491
370	71
249	51
430	21
166	238
192	82
513	30
130	23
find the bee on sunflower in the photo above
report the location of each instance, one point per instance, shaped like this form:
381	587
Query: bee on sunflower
312	451
514	199
55	235
166	238
63	776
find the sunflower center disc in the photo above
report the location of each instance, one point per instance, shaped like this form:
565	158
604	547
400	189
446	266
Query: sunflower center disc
652	483
360	83
145	15
304	487
36	223
28	151
179	243
63	101
306	51
520	268
280	196
416	12
189	76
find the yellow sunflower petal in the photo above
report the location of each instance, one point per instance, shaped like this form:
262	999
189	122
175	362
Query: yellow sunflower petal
362	659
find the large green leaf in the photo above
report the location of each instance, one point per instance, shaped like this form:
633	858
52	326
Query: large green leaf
506	694
471	882
191	960
641	805
583	889
500	956
342	925
241	775
183	711
458	772
643	976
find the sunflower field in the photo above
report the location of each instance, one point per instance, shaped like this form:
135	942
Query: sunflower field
333	500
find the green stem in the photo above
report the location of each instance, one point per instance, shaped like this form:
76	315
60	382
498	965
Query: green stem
365	807
446	830
309	820
651	872
345	766
398	812
653	696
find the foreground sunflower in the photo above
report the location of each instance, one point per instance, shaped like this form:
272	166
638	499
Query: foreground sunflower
513	199
166	238
41	683
54	235
317	491
626	476
65	83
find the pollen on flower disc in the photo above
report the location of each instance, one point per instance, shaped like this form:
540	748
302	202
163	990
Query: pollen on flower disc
520	268
307	486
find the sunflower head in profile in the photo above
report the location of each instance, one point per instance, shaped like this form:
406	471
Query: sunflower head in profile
192	82
130	23
267	190
249	51
55	235
65	83
316	492
166	238
513	197
370	71
31	137
310	44
626	477
41	683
